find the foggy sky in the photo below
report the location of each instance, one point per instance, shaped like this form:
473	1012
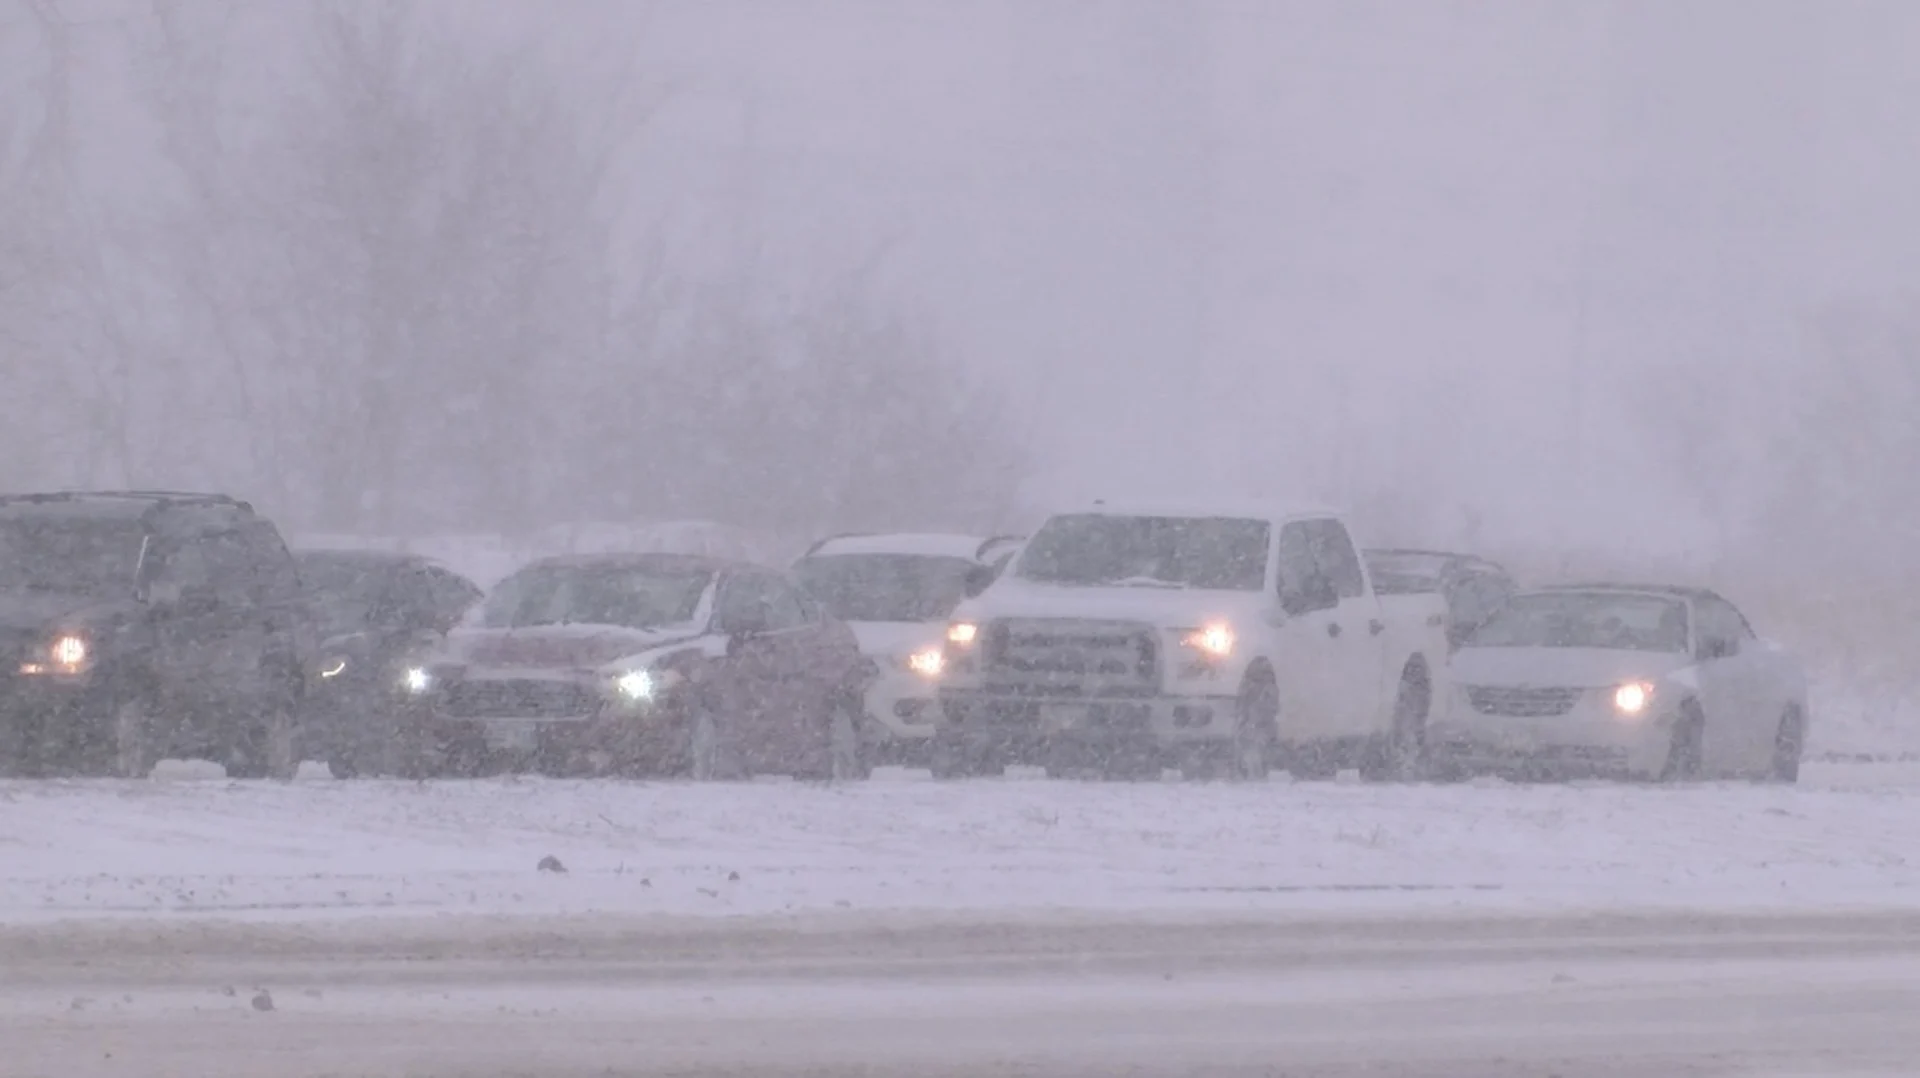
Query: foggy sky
1317	248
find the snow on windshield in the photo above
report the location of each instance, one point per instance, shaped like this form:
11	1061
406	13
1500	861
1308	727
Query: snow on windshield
600	595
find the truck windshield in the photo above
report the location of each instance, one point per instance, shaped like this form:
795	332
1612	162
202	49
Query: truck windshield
1091	549
81	557
1586	620
595	595
885	587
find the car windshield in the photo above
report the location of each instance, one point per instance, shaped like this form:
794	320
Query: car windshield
1586	620
886	587
1223	553
84	557
636	597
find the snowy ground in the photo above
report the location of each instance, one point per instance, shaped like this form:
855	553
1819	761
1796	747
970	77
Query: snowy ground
315	848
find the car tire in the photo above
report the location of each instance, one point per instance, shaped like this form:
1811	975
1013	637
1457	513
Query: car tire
703	746
1789	744
1402	755
134	755
1256	731
268	749
1684	751
343	766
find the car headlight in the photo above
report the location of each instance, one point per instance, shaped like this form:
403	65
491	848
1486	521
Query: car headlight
68	653
416	680
1633	697
1215	639
333	667
641	686
928	662
963	633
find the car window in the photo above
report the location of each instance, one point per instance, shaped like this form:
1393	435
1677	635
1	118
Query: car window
220	561
1720	628
449	594
1333	552
1297	565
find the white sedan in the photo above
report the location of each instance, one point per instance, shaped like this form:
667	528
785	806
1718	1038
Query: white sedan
1639	681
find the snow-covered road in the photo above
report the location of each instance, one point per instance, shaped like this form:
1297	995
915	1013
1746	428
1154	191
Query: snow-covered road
1666	995
1849	836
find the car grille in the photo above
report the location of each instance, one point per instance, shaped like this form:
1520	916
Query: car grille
1522	703
1070	658
527	698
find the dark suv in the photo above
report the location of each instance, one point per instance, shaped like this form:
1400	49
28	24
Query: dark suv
141	625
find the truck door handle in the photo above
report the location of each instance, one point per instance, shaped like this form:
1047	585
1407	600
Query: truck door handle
1333	628
1376	626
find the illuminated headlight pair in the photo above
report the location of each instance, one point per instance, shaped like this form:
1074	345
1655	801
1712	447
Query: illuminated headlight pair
69	653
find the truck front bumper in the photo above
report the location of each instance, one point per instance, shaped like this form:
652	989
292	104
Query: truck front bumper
1021	730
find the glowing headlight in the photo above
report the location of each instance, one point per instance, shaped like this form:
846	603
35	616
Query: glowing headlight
334	668
69	651
927	662
1633	697
1216	640
962	633
635	685
416	680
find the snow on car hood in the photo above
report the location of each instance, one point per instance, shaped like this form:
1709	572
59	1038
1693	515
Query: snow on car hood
571	647
1543	667
1169	607
881	638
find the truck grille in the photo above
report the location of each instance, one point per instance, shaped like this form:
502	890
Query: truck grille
526	698
1522	703
1057	657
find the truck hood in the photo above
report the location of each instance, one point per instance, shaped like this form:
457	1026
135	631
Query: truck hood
559	647
883	638
1166	607
1588	668
22	610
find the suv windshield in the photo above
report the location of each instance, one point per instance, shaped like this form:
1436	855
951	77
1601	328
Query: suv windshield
85	557
1586	620
346	597
885	587
1221	553
595	595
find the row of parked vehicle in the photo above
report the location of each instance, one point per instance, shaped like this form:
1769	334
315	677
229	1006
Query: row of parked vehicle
1115	641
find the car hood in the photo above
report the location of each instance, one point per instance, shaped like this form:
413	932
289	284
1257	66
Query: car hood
1561	667
1169	607
34	610
559	647
882	638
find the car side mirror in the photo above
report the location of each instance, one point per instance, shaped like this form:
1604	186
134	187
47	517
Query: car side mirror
979	578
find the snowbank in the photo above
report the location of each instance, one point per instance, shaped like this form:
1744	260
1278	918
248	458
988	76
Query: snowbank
320	848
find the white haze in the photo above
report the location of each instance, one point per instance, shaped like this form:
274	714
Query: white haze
1518	272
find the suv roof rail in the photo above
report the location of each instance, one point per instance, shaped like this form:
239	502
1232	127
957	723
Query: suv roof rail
187	497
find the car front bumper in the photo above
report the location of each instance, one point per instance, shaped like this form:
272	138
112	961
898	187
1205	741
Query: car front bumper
1592	738
1020	727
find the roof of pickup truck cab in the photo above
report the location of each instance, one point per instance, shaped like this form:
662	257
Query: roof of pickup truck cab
1674	591
1230	508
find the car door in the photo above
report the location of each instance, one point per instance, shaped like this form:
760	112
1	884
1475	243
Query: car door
1305	640
759	652
207	641
1358	656
1735	690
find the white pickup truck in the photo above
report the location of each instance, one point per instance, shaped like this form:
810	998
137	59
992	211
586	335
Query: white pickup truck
1126	640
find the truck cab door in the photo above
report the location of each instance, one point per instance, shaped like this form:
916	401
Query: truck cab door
1308	634
1358	662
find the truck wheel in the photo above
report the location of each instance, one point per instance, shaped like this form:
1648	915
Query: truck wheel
1257	728
848	753
1402	756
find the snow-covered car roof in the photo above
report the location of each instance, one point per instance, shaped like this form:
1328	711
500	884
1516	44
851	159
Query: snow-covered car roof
923	544
1234	508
